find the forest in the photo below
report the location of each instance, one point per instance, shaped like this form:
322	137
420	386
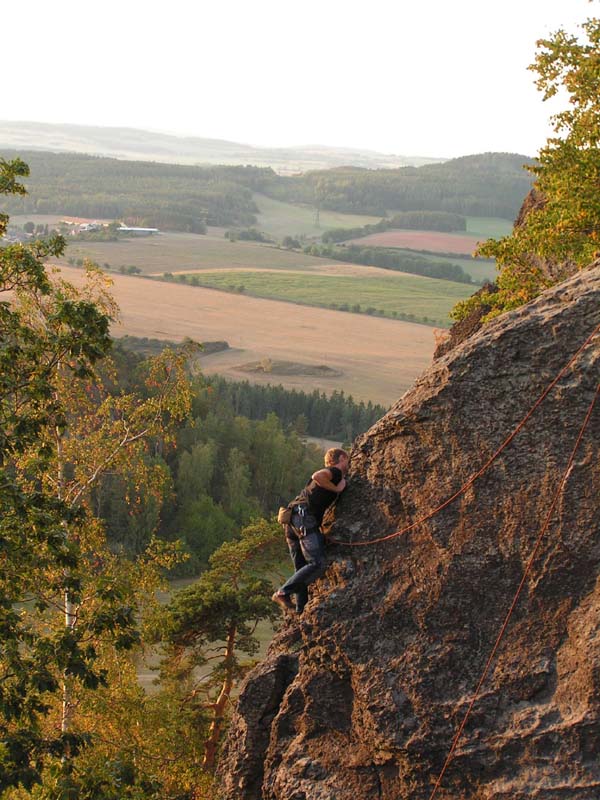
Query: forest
487	185
188	198
336	417
239	456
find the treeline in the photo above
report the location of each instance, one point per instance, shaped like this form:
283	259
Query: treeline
411	220
188	197
390	258
248	235
338	417
140	193
487	185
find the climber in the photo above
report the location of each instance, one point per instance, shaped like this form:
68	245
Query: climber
304	538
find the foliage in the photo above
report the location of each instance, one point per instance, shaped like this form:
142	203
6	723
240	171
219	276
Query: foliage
68	605
561	232
291	243
39	562
210	625
229	469
487	185
248	235
240	457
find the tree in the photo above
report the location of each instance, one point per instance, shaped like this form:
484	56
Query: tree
236	490
209	625
38	560
561	232
68	605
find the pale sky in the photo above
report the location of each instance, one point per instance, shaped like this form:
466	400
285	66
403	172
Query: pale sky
429	78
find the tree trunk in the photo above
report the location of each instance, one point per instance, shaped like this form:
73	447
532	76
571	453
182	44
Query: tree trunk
216	726
70	612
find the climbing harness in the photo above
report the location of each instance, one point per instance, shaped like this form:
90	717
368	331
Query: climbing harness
543	530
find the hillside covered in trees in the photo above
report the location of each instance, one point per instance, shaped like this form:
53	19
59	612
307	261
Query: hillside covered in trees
158	195
188	198
487	185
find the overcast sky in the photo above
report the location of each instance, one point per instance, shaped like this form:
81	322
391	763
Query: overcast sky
412	77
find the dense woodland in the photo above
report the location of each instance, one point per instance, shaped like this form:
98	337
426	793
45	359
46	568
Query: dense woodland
336	417
142	193
187	198
487	185
240	455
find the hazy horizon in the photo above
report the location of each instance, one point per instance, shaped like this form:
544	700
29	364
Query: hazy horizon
435	80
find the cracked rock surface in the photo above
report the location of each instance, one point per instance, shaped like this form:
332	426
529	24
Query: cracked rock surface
360	698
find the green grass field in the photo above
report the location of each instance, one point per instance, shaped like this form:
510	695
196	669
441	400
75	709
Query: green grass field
279	219
488	227
414	297
478	270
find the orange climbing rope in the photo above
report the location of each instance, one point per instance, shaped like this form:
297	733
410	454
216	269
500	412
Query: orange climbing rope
532	558
487	464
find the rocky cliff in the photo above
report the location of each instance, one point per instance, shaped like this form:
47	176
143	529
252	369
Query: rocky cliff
360	697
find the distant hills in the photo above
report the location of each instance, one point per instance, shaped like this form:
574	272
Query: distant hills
187	198
141	145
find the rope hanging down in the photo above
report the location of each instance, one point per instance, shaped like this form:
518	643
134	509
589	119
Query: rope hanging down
528	568
488	463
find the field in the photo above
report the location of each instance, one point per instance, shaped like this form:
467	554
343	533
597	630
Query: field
185	252
378	359
421	240
279	219
177	252
488	227
379	290
479	269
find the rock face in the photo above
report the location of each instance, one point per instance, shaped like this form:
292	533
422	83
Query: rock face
360	698
465	328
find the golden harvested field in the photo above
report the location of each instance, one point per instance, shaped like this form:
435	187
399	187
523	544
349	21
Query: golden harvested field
379	358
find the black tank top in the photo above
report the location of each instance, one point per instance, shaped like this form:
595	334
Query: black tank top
319	499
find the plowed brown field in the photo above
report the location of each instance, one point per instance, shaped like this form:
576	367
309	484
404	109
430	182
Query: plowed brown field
422	240
378	358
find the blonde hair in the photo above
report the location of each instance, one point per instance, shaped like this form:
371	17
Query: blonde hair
333	455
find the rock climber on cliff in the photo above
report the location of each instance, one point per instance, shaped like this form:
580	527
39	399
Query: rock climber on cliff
304	538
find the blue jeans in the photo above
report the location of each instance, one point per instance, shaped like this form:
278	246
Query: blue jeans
308	557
